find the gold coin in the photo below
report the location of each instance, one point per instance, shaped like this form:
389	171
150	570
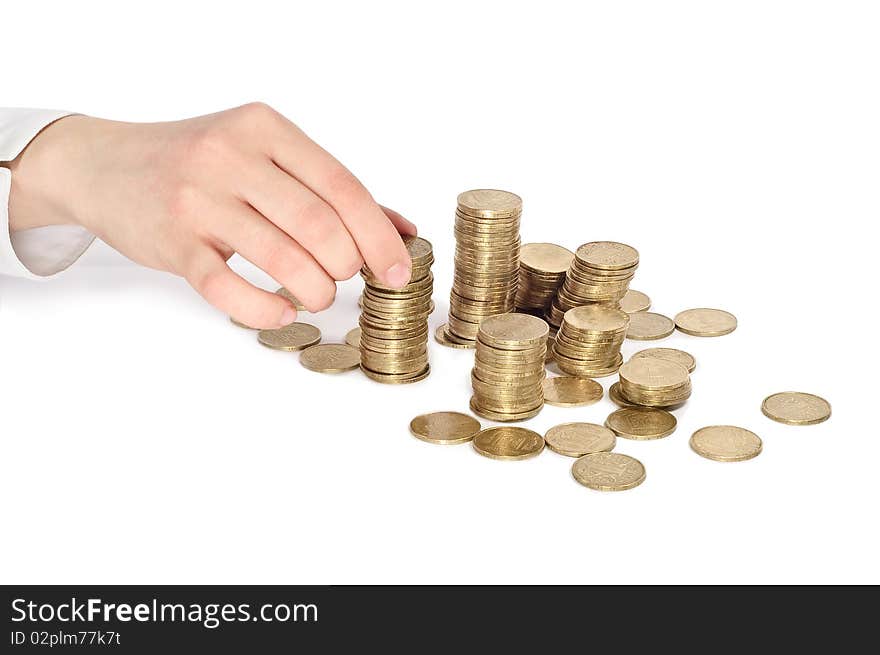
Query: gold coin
796	408
652	373
726	443
641	423
672	354
703	322
579	439
635	301
445	427
353	338
514	329
241	325
330	358
608	255
441	337
608	471
396	378
508	443
293	299
295	336
647	326
565	391
490	203
545	257
595	318
616	397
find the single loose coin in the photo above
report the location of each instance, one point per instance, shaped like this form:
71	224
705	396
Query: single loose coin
441	337
796	408
635	301
703	322
641	423
508	443
647	326
330	358
293	299
726	443
353	338
608	471
579	439
565	391
445	427
295	336
672	354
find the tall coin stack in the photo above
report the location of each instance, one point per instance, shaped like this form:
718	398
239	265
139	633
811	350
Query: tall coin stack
542	268
600	273
394	322
509	367
654	382
486	261
588	343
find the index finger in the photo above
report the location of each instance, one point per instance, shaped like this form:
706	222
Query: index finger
376	237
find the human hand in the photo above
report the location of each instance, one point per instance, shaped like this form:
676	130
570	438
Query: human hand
184	196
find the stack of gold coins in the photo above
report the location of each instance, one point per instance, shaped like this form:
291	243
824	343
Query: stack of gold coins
600	273
394	322
486	261
509	367
588	343
542	268
654	382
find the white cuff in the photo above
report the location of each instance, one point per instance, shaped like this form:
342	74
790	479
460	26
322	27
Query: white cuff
41	251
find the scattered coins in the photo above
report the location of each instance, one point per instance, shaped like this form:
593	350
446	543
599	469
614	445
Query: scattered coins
672	354
542	268
653	382
615	396
796	408
726	443
293	299
600	273
295	336
353	337
509	367
394	322
445	427
635	301
565	391
579	439
648	326
486	270
704	322
641	423
509	443
330	357
608	471
588	343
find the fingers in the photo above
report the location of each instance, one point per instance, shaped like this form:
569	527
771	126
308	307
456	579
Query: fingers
376	237
263	244
304	216
210	276
403	226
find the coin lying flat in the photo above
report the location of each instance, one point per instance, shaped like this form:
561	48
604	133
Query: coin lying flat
704	322
672	354
617	398
293	299
635	301
796	408
295	336
568	391
330	357
648	326
441	337
641	423
608	471
726	443
445	427
579	439
353	337
508	443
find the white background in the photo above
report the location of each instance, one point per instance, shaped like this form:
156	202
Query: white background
145	439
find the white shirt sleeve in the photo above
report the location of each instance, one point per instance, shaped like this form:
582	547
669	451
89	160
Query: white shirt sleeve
41	251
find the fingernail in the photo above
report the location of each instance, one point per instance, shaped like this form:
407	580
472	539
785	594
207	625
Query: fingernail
411	228
398	275
288	316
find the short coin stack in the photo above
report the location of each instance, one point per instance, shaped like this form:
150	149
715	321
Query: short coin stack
654	382
588	343
486	261
394	322
600	273
542	268
509	367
